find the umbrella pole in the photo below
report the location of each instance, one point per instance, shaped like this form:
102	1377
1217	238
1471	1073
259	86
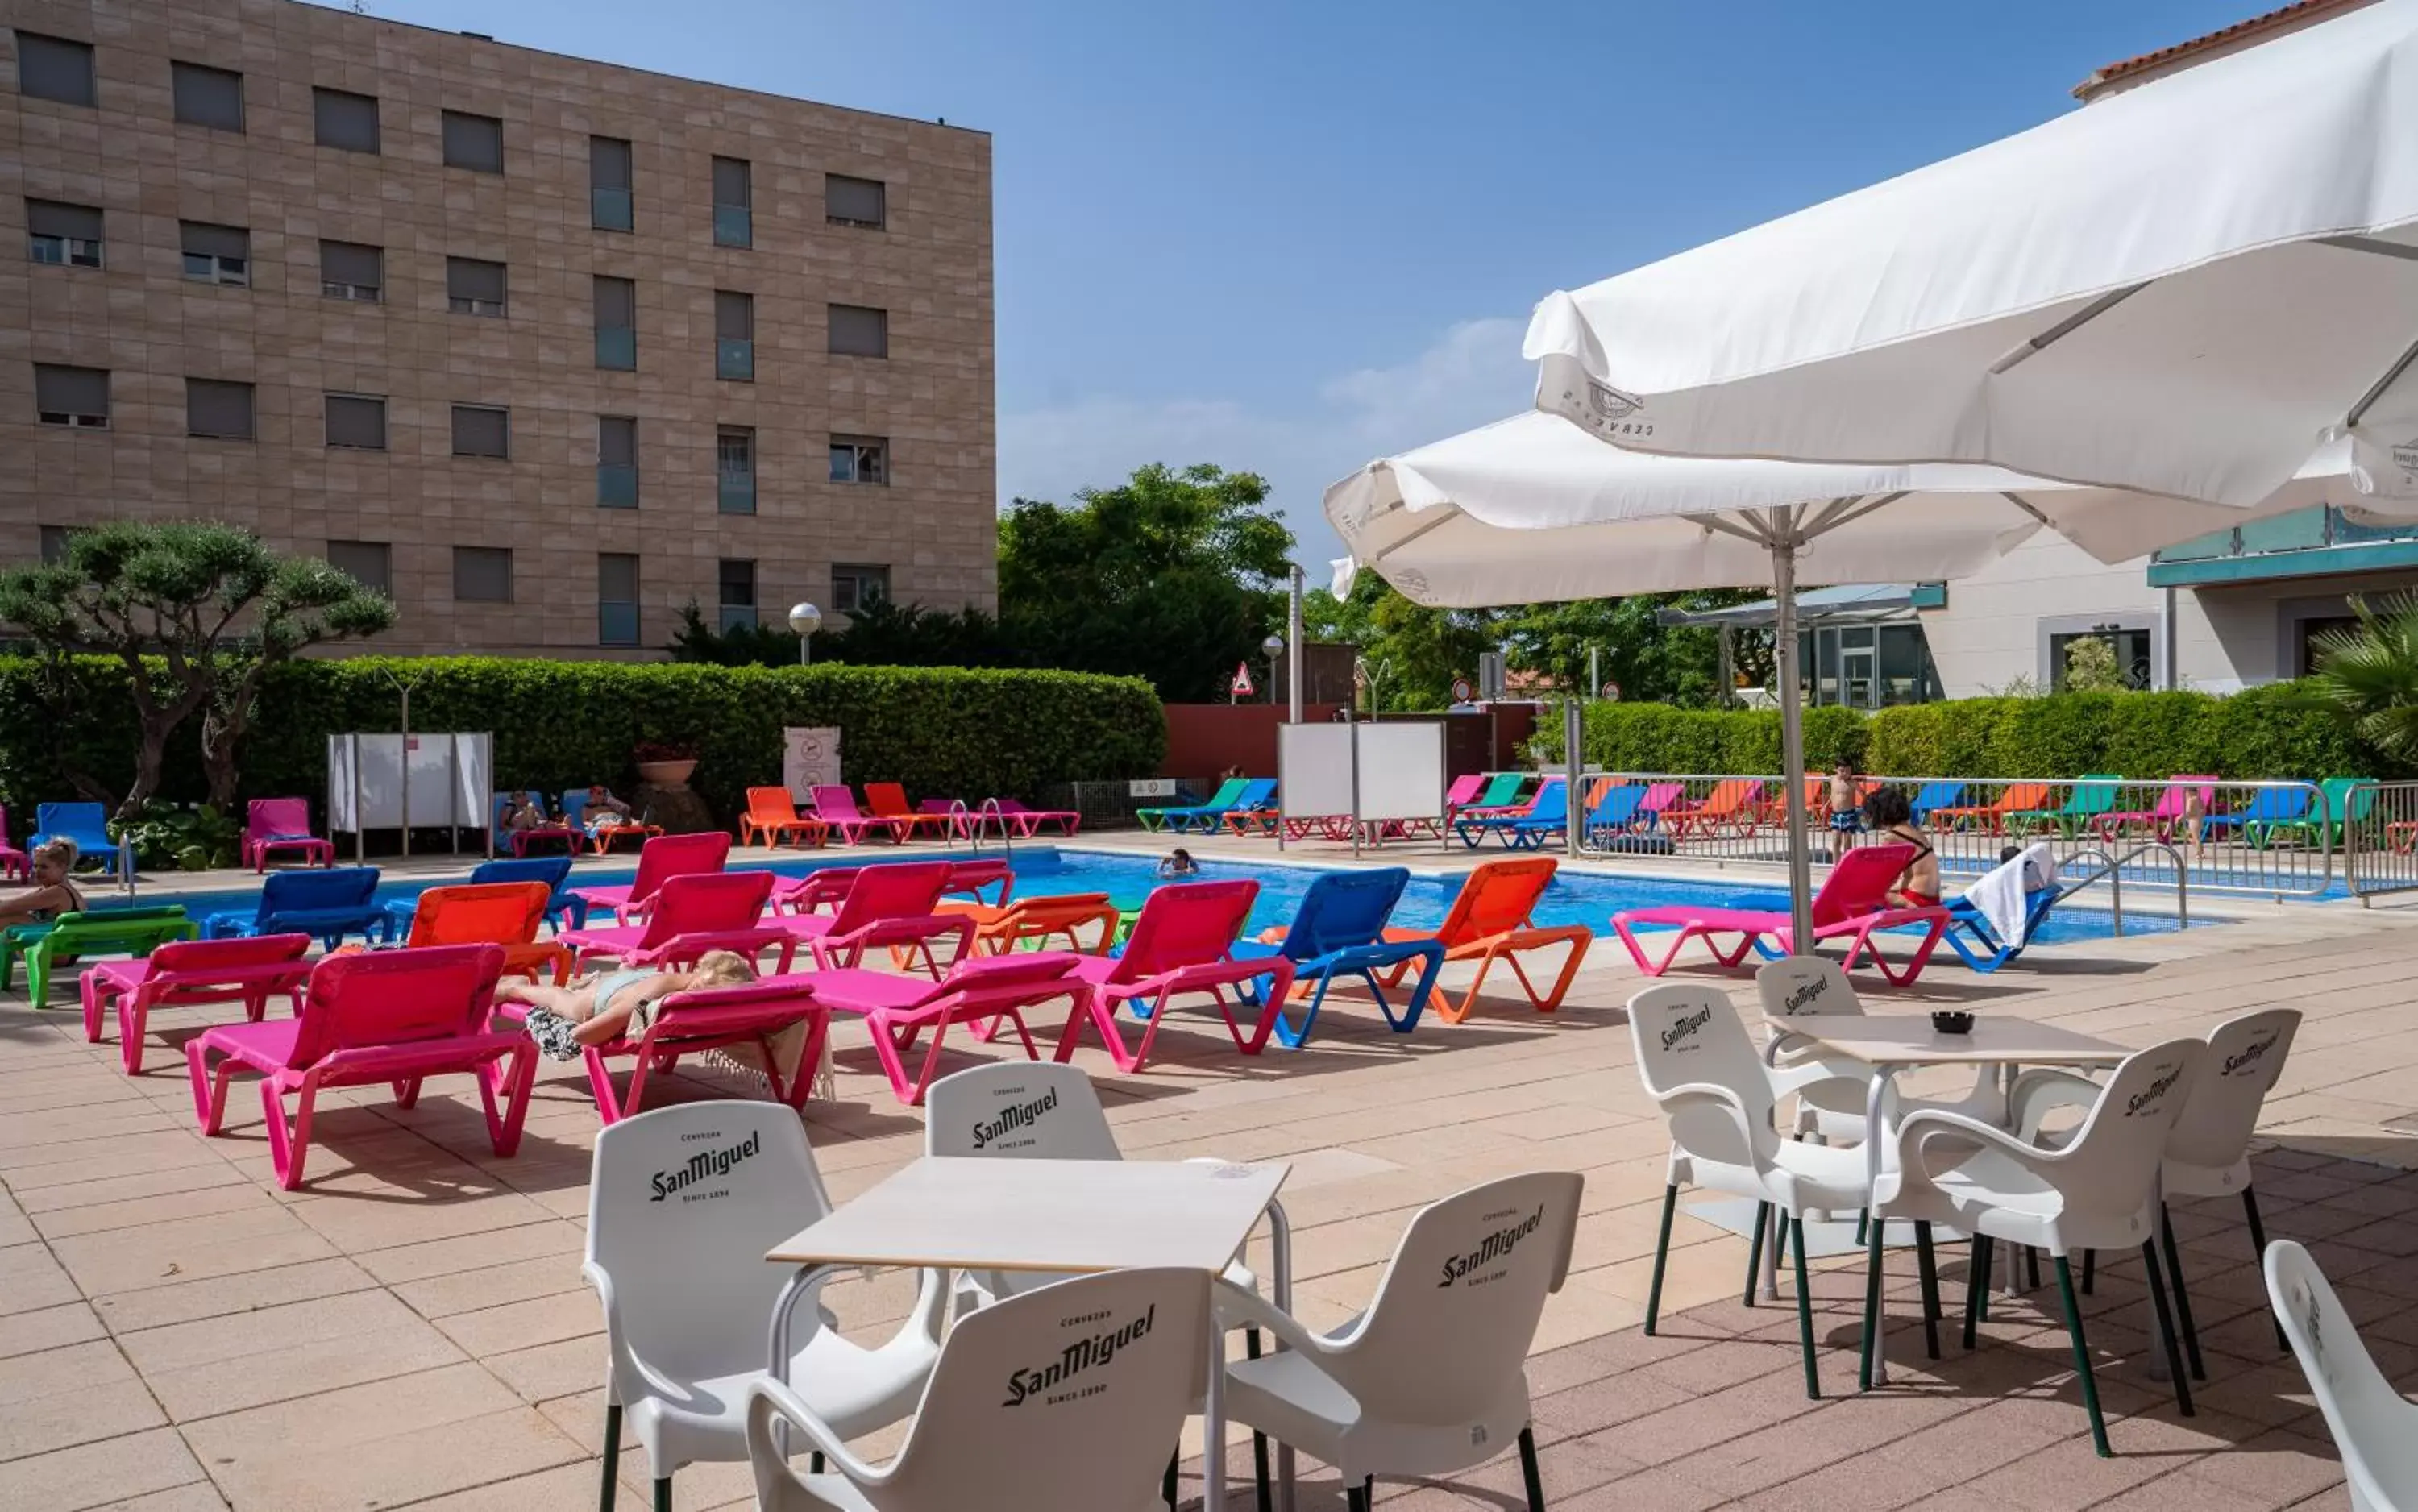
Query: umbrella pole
1792	729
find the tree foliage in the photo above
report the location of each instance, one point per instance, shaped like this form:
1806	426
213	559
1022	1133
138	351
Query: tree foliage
2367	676
1170	575
882	634
215	606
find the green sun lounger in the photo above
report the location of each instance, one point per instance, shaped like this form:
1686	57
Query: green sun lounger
1230	789
74	937
2094	794
1502	791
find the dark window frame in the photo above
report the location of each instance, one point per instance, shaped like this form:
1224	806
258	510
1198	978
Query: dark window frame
68	51
182	73
486	556
200	387
72	416
835	324
227	269
345	101
857	446
832	215
504	419
328	427
474	271
382	581
71	251
459	130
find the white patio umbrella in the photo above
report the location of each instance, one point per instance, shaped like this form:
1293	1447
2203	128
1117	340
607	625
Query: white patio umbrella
2184	288
1533	510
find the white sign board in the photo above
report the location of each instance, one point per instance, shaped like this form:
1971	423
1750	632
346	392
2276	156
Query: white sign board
1314	770
1401	770
449	777
809	759
1150	787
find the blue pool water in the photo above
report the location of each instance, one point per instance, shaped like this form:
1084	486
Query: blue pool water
1575	897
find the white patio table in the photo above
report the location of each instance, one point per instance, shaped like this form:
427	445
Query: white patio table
1891	1043
1056	1215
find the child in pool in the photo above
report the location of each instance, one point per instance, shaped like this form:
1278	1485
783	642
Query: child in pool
1178	863
599	1008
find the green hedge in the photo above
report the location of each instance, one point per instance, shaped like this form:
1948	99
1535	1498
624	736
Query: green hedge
2263	732
944	731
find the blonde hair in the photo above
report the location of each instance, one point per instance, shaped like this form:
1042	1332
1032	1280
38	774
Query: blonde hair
61	852
720	969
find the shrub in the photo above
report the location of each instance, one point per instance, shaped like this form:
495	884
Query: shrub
941	731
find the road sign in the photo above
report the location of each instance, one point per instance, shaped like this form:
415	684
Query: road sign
1242	686
1461	690
1612	690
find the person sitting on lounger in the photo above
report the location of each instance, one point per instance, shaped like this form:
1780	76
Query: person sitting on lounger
524	814
52	893
604	810
1890	817
1178	863
599	1009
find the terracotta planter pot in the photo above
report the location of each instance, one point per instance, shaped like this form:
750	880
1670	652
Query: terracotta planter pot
665	773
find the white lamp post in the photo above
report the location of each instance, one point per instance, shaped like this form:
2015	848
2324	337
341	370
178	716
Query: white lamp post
805	619
1274	646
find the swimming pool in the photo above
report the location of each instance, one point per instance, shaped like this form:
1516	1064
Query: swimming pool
1579	897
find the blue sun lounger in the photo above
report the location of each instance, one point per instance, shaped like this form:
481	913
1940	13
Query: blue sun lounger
1210	817
1971	937
1548	814
1935	795
1341	931
325	905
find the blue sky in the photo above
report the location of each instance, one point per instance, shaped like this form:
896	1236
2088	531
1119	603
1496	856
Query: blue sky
1293	236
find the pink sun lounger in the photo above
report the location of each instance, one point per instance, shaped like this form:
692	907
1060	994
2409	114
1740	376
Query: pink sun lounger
898	906
692	915
2174	810
1180	945
660	859
273	824
185	973
836	806
751	1013
1027	821
1852	904
395	1017
979	993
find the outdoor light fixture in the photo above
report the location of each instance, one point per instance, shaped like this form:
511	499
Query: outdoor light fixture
805	619
1275	646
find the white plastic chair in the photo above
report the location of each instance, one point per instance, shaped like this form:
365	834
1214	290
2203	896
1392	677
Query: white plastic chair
1061	1398
2208	1153
1716	1095
2098	1190
2374	1428
683	1203
1431	1378
1802	987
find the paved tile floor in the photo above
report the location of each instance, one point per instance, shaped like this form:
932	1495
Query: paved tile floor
411	1328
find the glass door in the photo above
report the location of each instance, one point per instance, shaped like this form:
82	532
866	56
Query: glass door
1858	684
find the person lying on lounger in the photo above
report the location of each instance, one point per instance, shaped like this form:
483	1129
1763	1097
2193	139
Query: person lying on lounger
604	810
52	894
597	1010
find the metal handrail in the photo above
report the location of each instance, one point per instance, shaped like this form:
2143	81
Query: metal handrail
2111	871
970	821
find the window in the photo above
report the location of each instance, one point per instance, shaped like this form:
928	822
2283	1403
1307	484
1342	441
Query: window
733	194
734	335
78	397
474	142
482	431
208	97
349	121
218	409
857	332
617	462
482	574
55	543
609	205
855	585
2131	644
617	599
860	459
735	466
617	324
738	579
370	563
52	67
216	254
473	287
348	270
356	420
855	202
68	235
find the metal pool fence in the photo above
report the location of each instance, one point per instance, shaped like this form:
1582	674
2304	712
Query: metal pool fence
2380	825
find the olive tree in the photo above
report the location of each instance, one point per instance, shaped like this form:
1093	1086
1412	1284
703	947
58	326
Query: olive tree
196	612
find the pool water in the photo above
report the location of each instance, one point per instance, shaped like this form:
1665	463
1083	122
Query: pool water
1577	897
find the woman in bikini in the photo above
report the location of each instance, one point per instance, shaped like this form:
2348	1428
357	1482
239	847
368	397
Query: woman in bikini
599	1008
1890	817
52	893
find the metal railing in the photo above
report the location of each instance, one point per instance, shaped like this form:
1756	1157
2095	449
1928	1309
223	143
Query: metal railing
968	825
1112	805
2252	838
2110	870
2378	823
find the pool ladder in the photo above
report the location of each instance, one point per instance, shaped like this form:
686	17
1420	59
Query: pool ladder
969	822
2110	870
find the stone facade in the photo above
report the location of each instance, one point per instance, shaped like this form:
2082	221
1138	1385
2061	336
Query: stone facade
153	325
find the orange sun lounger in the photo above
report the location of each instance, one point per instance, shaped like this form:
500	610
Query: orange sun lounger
1000	928
772	817
1491	921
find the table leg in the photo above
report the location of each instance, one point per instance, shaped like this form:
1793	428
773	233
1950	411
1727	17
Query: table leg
1213	1425
1280	1282
805	1281
1872	1128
